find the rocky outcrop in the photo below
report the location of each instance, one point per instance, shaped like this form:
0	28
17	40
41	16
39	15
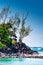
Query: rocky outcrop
23	48
18	48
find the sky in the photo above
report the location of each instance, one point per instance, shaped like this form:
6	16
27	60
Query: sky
35	18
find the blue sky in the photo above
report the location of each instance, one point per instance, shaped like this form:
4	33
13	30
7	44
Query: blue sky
35	18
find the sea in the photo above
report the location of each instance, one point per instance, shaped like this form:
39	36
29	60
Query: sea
24	61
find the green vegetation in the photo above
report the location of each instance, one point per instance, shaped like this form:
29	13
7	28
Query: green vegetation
11	27
2	45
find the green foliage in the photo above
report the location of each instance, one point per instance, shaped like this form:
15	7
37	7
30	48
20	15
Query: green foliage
2	45
13	23
4	35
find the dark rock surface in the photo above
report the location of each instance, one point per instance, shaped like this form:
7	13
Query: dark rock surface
23	48
18	48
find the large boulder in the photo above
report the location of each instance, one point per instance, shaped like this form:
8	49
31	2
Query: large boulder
23	48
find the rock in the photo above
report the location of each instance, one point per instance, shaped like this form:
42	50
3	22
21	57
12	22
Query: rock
19	48
23	48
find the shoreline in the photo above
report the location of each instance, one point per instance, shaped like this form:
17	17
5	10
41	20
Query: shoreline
15	55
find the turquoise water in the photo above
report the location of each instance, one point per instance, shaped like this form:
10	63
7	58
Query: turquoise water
21	61
38	49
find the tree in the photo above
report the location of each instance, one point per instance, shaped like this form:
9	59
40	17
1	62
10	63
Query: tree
14	24
23	31
4	27
4	36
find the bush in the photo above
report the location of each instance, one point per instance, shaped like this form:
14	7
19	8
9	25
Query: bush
2	45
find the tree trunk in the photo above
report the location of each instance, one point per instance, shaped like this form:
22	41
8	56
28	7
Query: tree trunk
20	41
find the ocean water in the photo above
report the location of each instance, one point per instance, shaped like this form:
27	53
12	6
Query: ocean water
38	49
23	61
